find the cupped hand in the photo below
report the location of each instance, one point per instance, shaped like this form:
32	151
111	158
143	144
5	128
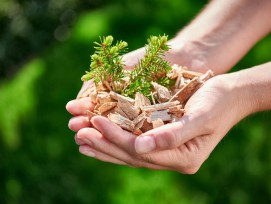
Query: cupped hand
181	146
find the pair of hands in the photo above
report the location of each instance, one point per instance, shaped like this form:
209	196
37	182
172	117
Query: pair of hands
181	146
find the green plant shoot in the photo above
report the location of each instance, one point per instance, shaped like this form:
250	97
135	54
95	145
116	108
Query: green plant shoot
106	62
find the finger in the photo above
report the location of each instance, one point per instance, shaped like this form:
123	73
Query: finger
169	136
88	151
95	140
78	140
115	134
80	106
79	122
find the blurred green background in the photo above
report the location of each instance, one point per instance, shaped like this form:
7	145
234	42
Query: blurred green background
44	50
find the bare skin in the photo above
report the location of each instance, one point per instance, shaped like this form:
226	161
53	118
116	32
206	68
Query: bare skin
210	113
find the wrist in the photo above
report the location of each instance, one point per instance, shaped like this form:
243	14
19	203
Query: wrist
252	88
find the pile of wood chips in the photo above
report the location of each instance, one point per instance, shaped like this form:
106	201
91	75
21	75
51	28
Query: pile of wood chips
140	114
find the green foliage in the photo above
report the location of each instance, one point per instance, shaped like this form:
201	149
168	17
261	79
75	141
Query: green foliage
106	65
152	67
106	62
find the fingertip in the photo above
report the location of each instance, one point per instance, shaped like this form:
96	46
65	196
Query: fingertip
69	106
78	141
78	122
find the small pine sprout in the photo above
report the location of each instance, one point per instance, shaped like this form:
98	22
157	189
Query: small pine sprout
152	67
106	62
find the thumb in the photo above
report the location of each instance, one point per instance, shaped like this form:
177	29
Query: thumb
168	136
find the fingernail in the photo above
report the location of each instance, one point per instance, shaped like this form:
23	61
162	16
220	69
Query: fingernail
144	144
89	153
86	151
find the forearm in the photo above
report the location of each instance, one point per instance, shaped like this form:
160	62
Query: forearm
252	89
224	32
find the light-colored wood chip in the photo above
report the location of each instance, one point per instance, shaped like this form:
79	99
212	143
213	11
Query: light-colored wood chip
175	108
141	100
139	119
119	97
187	90
163	115
152	97
209	74
100	87
129	109
157	123
177	111
103	97
162	92
120	111
123	122
160	106
107	106
175	71
180	82
190	74
107	85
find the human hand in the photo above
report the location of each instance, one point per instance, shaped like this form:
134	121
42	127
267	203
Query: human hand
180	53
181	146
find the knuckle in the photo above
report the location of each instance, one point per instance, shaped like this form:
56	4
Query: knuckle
191	167
191	170
168	140
188	169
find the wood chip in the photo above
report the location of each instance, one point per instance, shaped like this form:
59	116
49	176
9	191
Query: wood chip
162	92
123	122
152	97
107	106
180	82
129	109
107	85
163	115
139	119
137	131
146	126
100	87
141	100
175	71
157	123
161	106
177	110
190	74
119	97
209	74
103	97
120	111
187	90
